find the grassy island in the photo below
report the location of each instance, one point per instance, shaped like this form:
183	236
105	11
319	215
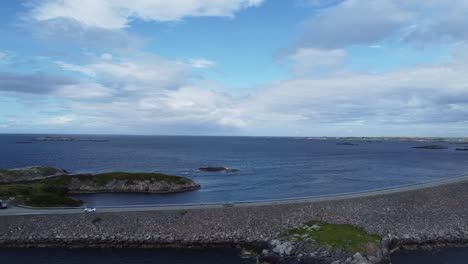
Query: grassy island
54	192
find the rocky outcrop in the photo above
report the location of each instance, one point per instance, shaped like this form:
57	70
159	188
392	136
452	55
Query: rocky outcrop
29	174
346	144
142	186
217	169
431	147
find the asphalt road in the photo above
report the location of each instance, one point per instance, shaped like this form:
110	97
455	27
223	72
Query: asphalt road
13	210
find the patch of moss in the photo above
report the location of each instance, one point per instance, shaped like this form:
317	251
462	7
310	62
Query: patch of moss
341	236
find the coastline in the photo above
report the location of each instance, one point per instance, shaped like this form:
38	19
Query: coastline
427	216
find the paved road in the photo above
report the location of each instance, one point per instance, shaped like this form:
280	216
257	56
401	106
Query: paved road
134	208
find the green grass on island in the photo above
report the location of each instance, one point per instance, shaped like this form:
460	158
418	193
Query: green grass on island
104	178
38	195
39	169
54	192
341	236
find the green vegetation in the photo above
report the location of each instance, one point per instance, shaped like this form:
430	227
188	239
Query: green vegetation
104	178
54	192
38	195
41	170
342	236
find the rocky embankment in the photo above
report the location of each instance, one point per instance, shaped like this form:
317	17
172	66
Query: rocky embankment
432	216
29	174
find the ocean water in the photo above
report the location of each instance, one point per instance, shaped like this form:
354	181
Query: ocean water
270	168
450	255
121	256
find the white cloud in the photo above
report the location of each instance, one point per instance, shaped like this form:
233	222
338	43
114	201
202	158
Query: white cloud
362	22
202	63
145	71
117	14
5	56
106	56
76	68
85	90
309	61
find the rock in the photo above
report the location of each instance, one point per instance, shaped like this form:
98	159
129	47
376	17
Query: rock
431	147
282	247
315	227
268	257
217	169
30	174
346	144
461	149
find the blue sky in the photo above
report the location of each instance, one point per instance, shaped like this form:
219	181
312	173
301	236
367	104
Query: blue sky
234	67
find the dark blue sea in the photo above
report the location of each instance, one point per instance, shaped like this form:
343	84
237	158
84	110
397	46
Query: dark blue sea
121	256
270	168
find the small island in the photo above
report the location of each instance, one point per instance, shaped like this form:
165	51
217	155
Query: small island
49	138
346	144
431	147
51	187
217	169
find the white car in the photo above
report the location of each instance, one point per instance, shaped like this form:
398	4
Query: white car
90	209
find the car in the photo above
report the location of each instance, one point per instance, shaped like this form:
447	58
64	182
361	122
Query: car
3	204
90	209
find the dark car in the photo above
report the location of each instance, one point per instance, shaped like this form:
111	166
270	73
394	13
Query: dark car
3	205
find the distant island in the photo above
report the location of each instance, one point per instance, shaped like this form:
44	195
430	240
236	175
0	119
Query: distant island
50	187
56	138
422	139
431	147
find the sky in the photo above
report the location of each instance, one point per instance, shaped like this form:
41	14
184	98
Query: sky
235	67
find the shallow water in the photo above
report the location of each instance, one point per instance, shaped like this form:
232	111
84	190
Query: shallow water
121	256
439	256
270	168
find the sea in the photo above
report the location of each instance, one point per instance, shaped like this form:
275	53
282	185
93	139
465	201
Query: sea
269	168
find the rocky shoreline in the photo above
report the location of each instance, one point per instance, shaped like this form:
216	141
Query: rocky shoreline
427	217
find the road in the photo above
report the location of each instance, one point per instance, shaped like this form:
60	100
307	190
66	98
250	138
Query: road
13	210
